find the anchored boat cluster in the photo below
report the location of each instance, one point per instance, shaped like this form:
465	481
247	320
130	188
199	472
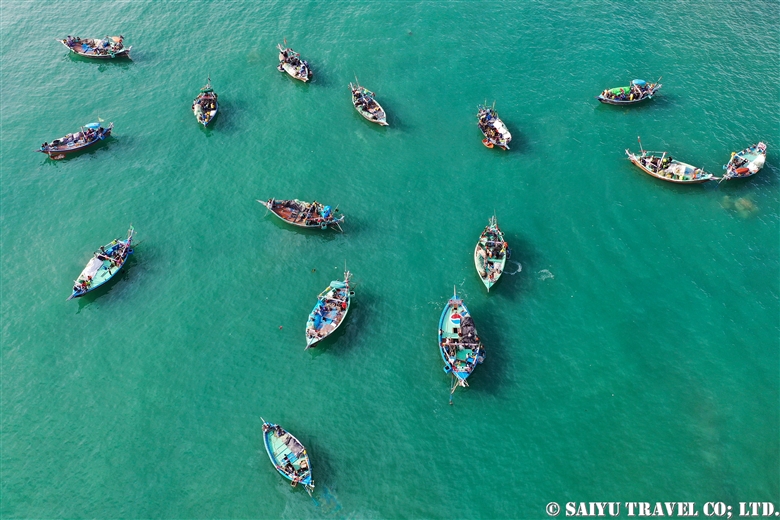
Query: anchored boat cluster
459	344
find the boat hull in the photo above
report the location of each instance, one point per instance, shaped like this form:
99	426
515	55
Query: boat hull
60	148
614	101
360	98
688	174
493	128
459	344
370	117
329	312
292	71
618	102
294	212
82	49
288	455
205	107
490	254
746	163
296	68
100	271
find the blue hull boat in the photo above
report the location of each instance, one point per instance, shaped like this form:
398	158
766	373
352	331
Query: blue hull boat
288	455
329	312
459	344
104	265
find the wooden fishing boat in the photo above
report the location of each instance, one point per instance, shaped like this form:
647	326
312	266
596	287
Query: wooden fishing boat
291	63
366	104
205	106
746	163
490	254
459	344
87	136
664	167
288	455
638	91
304	214
329	312
104	265
106	48
491	126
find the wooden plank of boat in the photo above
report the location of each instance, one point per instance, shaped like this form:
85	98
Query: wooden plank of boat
291	63
304	214
637	92
288	455
459	344
366	104
493	128
745	163
329	312
106	48
205	106
104	265
664	167
89	134
490	254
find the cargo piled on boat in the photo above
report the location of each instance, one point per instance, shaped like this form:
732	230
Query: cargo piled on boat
304	214
663	166
491	126
638	91
459	343
205	106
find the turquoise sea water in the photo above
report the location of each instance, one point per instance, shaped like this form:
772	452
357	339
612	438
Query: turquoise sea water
632	349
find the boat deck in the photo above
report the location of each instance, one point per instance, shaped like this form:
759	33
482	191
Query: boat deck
287	454
461	356
329	312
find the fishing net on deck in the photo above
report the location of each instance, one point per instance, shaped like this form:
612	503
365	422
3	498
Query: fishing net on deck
468	332
294	446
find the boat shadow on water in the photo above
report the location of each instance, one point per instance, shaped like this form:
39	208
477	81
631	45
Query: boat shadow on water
322	472
519	143
490	376
228	118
